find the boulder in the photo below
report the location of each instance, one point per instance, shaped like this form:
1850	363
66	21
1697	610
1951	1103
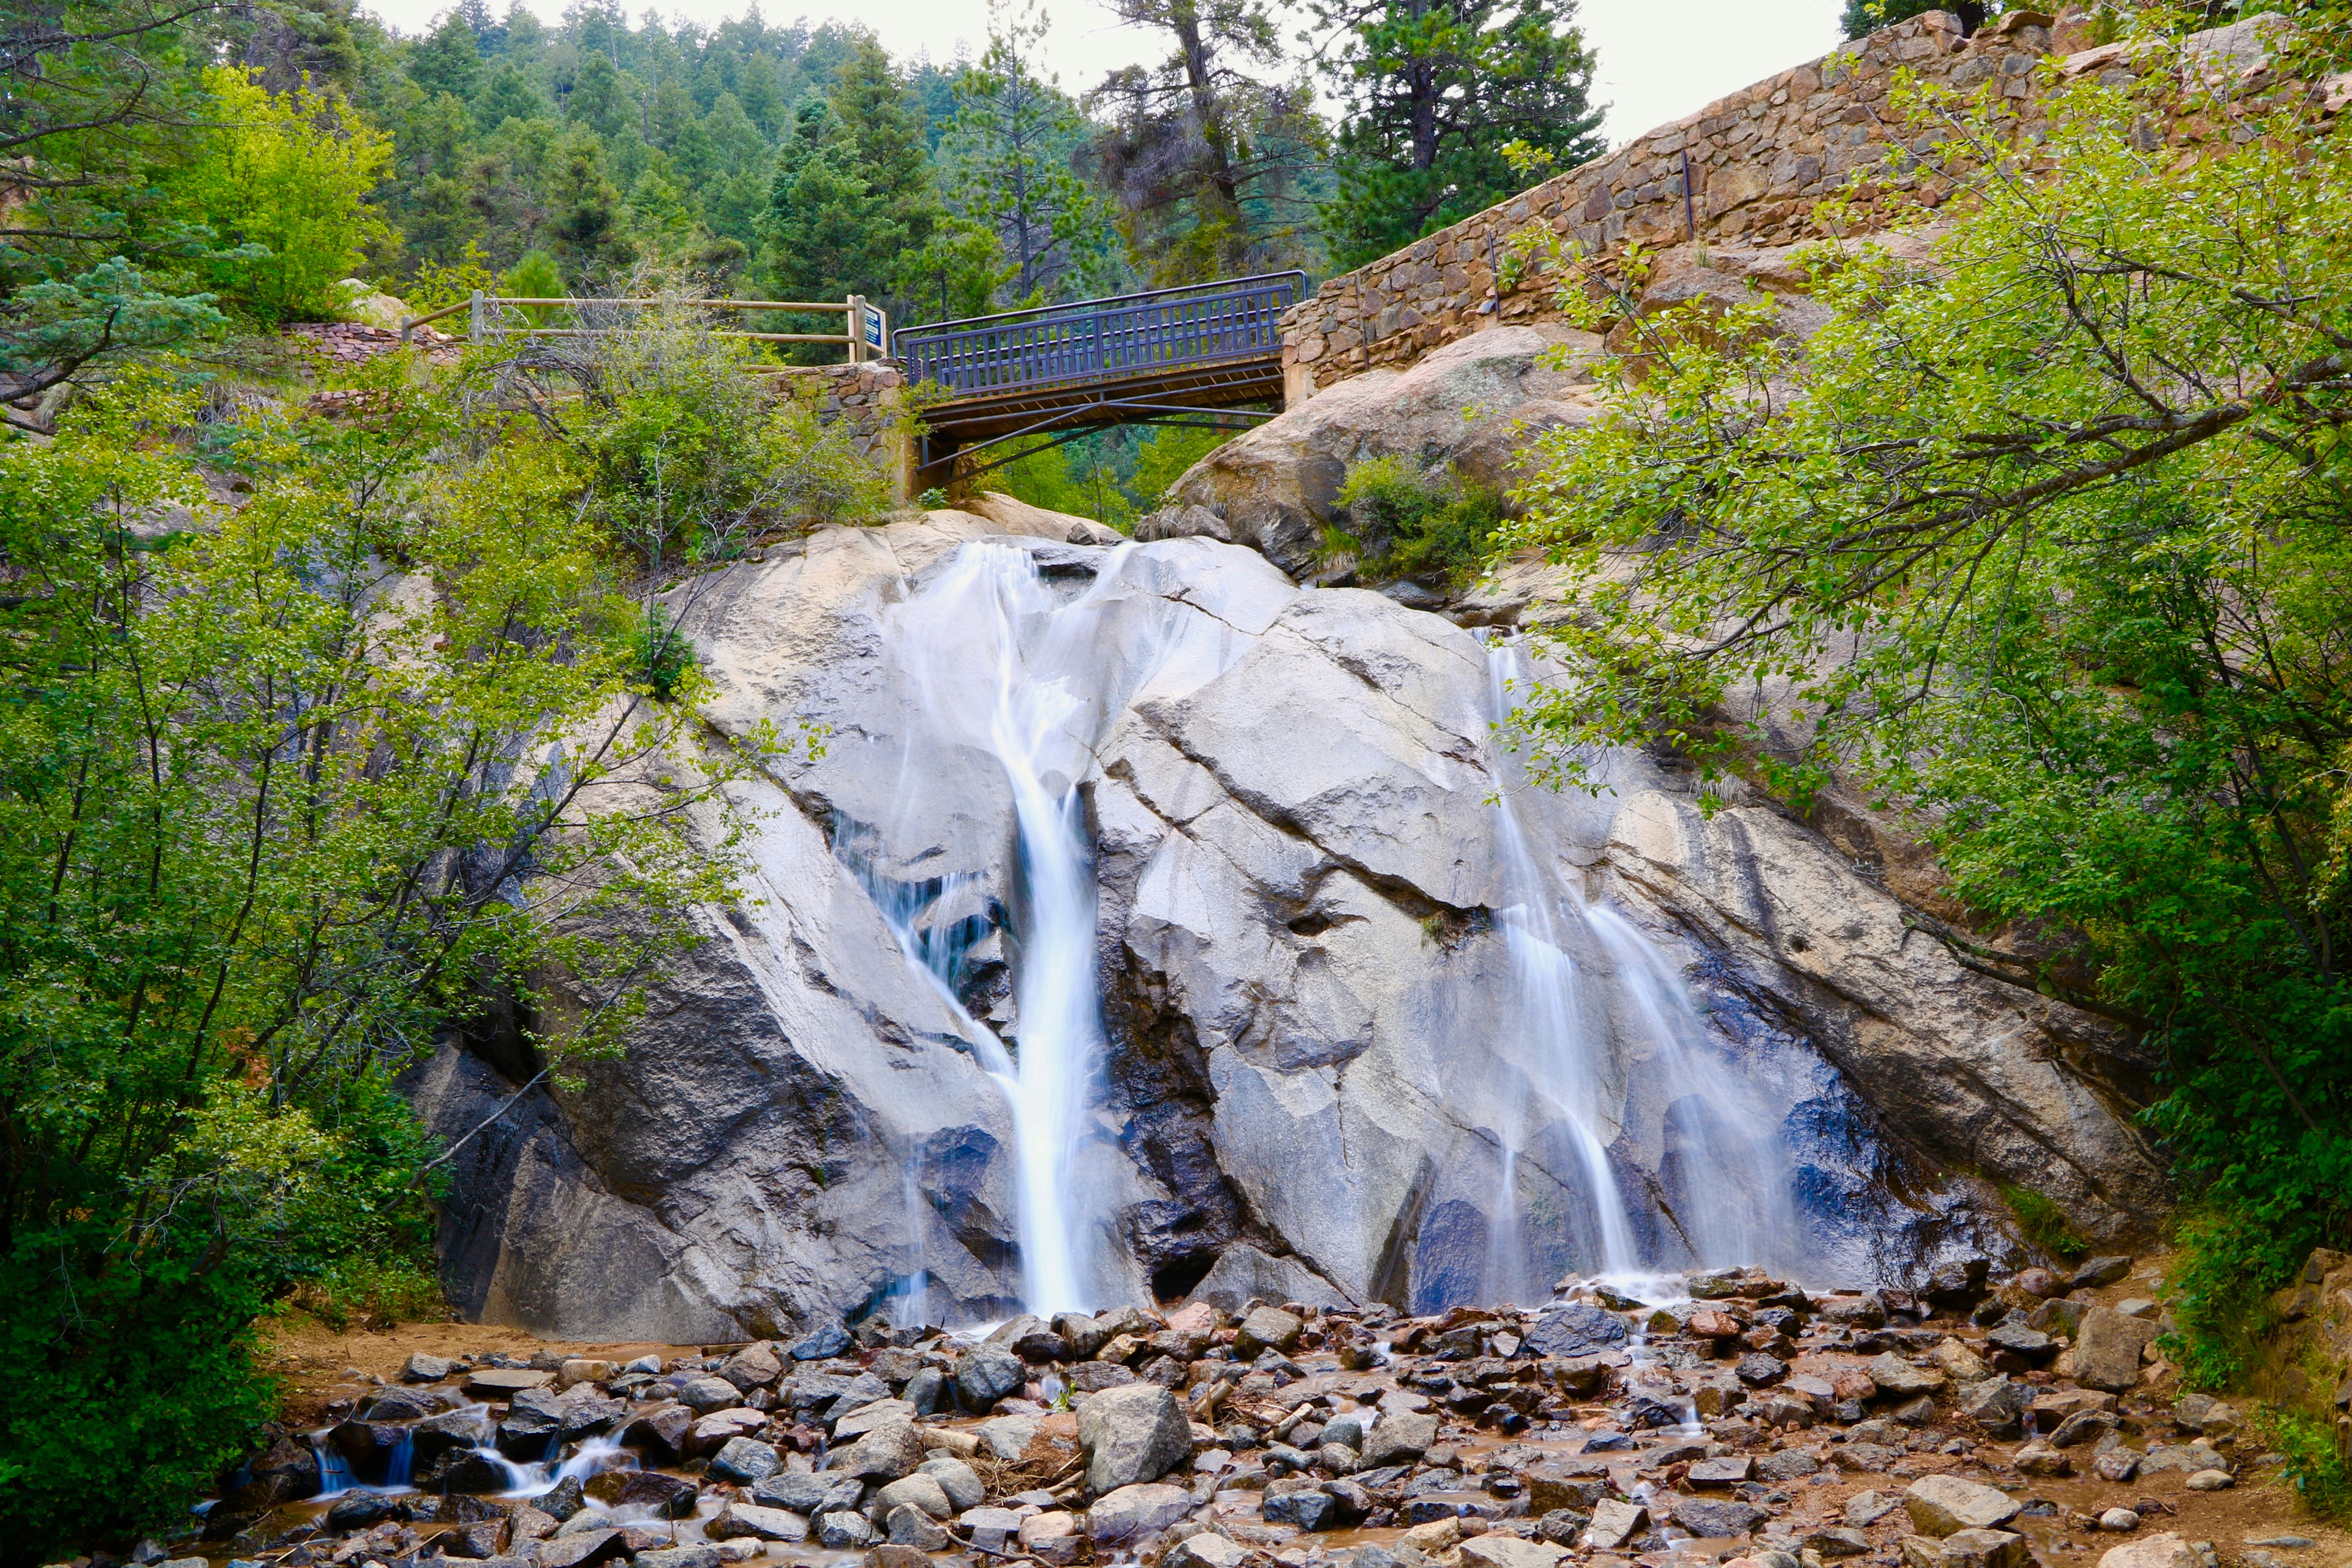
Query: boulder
1891	1375
424	1368
1714	1517
2107	1349
1944	1505
2164	1551
987	1374
844	1531
1574	1329
1494	1550
1133	1434
666	1495
1207	1550
801	1492
1265	1329
1966	1549
1614	1523
745	1460
918	1490
1131	1512
740	1518
1400	1438
1281	785
884	1454
910	1527
956	1479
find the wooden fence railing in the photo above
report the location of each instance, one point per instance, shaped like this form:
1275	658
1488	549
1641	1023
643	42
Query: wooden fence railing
865	328
1096	340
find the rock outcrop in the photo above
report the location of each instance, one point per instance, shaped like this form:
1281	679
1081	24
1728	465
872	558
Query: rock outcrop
1313	944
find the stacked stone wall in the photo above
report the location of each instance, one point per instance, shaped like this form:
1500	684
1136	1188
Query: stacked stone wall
1758	161
868	398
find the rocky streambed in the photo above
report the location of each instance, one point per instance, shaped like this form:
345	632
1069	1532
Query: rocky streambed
1964	1424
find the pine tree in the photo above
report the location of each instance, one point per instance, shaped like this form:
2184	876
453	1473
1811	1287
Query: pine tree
829	231
448	60
508	95
1435	90
879	126
1205	154
1011	153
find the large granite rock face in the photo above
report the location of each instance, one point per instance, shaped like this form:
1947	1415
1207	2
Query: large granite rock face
1475	403
1313	942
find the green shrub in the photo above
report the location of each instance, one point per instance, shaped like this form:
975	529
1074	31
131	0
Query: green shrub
1407	520
2312	1466
2222	1273
2043	1224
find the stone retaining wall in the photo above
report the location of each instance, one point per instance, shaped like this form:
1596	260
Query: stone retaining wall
869	398
1759	162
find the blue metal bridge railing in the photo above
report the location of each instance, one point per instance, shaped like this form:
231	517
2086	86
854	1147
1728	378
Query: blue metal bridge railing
1100	339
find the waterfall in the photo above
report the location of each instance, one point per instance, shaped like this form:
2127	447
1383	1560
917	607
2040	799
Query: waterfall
1589	1058
1000	661
1557	1048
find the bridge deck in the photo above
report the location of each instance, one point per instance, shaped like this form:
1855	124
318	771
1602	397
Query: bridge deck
1172	356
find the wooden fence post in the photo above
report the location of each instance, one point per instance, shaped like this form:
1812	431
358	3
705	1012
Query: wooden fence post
856	328
474	319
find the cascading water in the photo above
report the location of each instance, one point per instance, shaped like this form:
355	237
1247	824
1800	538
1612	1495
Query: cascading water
998	660
1578	1052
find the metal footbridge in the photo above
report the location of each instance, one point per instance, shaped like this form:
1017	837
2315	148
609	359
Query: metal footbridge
1173	356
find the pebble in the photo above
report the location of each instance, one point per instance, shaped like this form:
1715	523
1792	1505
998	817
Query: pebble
2119	1519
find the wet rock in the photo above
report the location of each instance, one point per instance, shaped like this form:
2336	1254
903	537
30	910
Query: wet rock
1565	1486
668	1496
582	1549
1757	1370
1961	1364
1208	1550
1051	1537
1891	1375
357	1510
1997	1405
493	1383
865	1418
1837	1541
754	1367
481	1539
2059	1315
884	1454
2042	1459
2022	1346
1729	1471
1941	1505
801	1492
987	1374
1966	1549
991	1529
910	1529
1706	1516
1400	1438
1788	1465
1958	1286
765	1524
844	1531
1133	1434
745	1460
918	1490
1494	1550
1307	1507
707	1393
1575	1329
1265	1329
2082	1427
822	1343
1131	1512
699	1556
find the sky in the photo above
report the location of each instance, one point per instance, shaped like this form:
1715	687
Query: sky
1660	59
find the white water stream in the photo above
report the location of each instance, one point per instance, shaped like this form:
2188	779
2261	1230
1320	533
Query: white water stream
1588	1047
1000	667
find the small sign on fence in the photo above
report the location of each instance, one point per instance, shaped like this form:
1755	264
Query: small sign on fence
873	330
